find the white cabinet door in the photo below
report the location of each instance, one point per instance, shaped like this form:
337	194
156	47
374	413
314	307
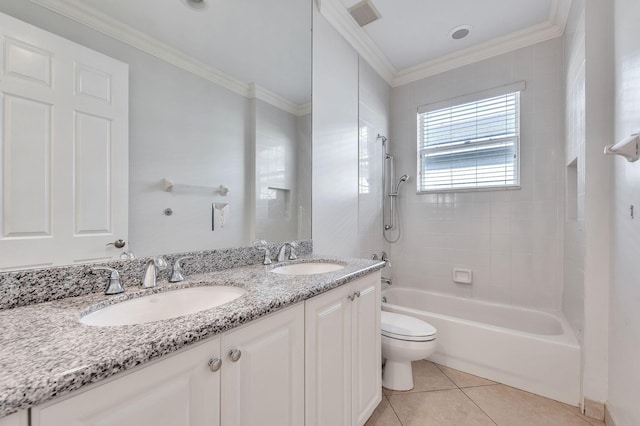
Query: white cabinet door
180	390
265	385
366	348
20	418
328	358
63	149
343	362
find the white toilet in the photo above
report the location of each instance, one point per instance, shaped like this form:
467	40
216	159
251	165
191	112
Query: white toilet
404	339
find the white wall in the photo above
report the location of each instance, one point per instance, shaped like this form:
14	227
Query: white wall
512	240
588	118
375	95
624	330
277	183
574	249
304	176
335	142
181	127
598	128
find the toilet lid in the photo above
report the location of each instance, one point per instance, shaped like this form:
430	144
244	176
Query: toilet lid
404	327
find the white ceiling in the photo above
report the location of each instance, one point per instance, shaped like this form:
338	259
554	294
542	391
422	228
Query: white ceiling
268	42
411	40
254	41
411	32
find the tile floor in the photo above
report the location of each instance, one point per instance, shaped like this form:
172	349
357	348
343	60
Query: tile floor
446	397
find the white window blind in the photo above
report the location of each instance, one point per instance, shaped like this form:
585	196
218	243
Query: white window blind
472	143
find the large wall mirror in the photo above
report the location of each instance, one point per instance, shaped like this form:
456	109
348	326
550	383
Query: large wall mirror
219	116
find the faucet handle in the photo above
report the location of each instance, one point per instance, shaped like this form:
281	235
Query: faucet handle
114	286
292	253
262	246
176	273
160	263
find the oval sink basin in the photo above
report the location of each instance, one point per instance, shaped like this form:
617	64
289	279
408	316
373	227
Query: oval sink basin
166	305
307	268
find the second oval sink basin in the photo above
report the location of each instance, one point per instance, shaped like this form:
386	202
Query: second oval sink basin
307	268
165	305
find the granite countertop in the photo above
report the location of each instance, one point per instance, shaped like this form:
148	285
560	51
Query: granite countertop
46	352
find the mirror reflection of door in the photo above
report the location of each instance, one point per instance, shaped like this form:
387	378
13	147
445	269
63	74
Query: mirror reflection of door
65	150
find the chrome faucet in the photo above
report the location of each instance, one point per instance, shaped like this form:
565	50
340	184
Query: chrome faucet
292	254
262	245
384	280
151	273
176	272
114	286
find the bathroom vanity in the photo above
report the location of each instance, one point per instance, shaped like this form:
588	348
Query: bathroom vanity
293	350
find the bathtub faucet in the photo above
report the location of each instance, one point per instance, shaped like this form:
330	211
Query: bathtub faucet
383	257
385	281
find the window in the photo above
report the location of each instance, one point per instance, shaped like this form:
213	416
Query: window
470	142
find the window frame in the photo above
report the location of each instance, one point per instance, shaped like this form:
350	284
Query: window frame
517	87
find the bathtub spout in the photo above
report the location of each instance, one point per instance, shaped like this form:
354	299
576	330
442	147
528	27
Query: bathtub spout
385	280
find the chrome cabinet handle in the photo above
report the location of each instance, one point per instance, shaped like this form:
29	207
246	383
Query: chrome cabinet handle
353	296
235	354
215	364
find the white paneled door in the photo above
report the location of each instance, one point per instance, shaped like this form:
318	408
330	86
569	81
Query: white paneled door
63	149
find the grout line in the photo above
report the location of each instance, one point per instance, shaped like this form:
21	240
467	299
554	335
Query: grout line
411	392
445	374
480	408
463	387
394	411
479	386
580	416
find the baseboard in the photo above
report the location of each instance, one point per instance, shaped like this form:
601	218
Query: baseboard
608	417
594	409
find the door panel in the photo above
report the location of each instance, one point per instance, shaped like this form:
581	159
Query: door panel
180	390
265	386
328	352
366	344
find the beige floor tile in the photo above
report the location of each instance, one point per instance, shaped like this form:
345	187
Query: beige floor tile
512	407
464	380
576	410
426	377
383	415
438	408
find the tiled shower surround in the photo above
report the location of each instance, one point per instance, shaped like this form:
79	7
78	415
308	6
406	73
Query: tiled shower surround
510	239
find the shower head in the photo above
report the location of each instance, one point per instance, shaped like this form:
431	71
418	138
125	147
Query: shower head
402	179
382	138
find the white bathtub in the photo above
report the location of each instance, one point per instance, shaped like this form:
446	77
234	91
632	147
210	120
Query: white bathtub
527	349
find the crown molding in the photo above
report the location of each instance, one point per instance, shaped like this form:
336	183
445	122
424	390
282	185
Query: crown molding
479	52
559	13
101	22
265	95
339	18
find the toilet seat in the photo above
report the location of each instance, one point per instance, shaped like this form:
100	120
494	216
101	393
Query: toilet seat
403	327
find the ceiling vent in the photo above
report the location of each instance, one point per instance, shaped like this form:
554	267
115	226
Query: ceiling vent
364	12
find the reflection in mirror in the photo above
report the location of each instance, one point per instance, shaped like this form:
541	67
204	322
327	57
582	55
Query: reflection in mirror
218	96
